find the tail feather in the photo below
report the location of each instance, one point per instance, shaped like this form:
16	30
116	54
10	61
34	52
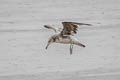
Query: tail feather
82	45
79	44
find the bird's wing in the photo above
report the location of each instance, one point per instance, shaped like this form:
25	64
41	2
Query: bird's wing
50	27
70	28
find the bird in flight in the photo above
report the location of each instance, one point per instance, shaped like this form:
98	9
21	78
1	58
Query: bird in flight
65	35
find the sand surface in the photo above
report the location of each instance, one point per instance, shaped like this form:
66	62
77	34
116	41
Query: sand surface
23	39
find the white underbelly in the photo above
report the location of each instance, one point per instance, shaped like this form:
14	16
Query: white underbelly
63	40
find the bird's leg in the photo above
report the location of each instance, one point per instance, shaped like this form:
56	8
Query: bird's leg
71	49
71	46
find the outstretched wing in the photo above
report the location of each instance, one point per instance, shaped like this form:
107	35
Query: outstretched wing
50	27
70	28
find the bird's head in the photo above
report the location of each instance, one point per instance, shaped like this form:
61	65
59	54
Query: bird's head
51	40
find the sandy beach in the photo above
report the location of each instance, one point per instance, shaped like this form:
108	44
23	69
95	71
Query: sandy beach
23	39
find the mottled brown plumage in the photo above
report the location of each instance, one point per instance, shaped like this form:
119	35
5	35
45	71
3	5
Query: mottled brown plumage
64	35
70	28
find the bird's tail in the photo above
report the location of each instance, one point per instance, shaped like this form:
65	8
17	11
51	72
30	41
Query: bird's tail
76	42
50	27
79	44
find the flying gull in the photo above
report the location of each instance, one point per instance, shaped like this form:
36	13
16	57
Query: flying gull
65	35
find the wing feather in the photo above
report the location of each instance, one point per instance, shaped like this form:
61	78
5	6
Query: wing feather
70	28
50	27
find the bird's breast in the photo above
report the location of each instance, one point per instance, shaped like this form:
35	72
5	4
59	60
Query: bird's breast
63	40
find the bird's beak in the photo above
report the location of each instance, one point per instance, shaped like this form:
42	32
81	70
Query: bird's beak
47	45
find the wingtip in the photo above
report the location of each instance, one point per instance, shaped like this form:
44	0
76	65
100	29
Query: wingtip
77	23
89	24
46	26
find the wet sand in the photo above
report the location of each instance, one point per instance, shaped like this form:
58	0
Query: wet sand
23	39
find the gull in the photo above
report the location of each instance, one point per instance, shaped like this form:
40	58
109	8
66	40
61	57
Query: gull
65	35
